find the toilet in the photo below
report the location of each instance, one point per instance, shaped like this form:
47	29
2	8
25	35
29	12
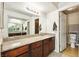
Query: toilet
73	40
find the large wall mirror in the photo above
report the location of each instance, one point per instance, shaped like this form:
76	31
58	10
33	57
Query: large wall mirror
19	21
17	27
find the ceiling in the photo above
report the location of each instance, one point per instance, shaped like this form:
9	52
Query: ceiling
44	7
71	10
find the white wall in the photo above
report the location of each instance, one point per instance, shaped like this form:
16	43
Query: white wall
43	22
10	13
51	18
73	18
73	22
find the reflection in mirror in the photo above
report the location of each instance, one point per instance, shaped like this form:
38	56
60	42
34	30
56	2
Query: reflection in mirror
17	27
40	27
37	26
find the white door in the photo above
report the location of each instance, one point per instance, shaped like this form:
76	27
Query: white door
62	31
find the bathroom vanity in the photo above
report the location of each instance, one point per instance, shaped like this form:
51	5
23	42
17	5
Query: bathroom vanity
29	46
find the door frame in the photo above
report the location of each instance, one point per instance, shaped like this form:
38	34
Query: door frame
59	32
38	25
61	10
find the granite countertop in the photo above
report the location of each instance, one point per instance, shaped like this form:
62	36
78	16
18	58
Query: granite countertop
17	41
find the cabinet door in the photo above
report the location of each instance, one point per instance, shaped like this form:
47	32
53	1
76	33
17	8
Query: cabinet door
36	49
1	14
37	52
46	50
46	47
51	44
16	52
36	44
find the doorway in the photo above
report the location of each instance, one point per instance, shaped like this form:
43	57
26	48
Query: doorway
72	31
36	26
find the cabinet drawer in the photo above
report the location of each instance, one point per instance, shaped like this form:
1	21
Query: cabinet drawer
36	44
17	51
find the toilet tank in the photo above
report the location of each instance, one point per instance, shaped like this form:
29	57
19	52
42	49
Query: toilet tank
73	37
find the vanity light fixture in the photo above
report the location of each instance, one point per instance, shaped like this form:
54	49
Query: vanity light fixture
31	10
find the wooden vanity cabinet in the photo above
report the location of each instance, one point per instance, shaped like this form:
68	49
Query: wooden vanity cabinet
36	49
21	51
48	46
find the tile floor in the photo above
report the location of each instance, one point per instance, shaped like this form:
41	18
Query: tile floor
54	54
68	52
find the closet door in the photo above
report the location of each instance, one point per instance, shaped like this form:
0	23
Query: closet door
62	31
1	14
